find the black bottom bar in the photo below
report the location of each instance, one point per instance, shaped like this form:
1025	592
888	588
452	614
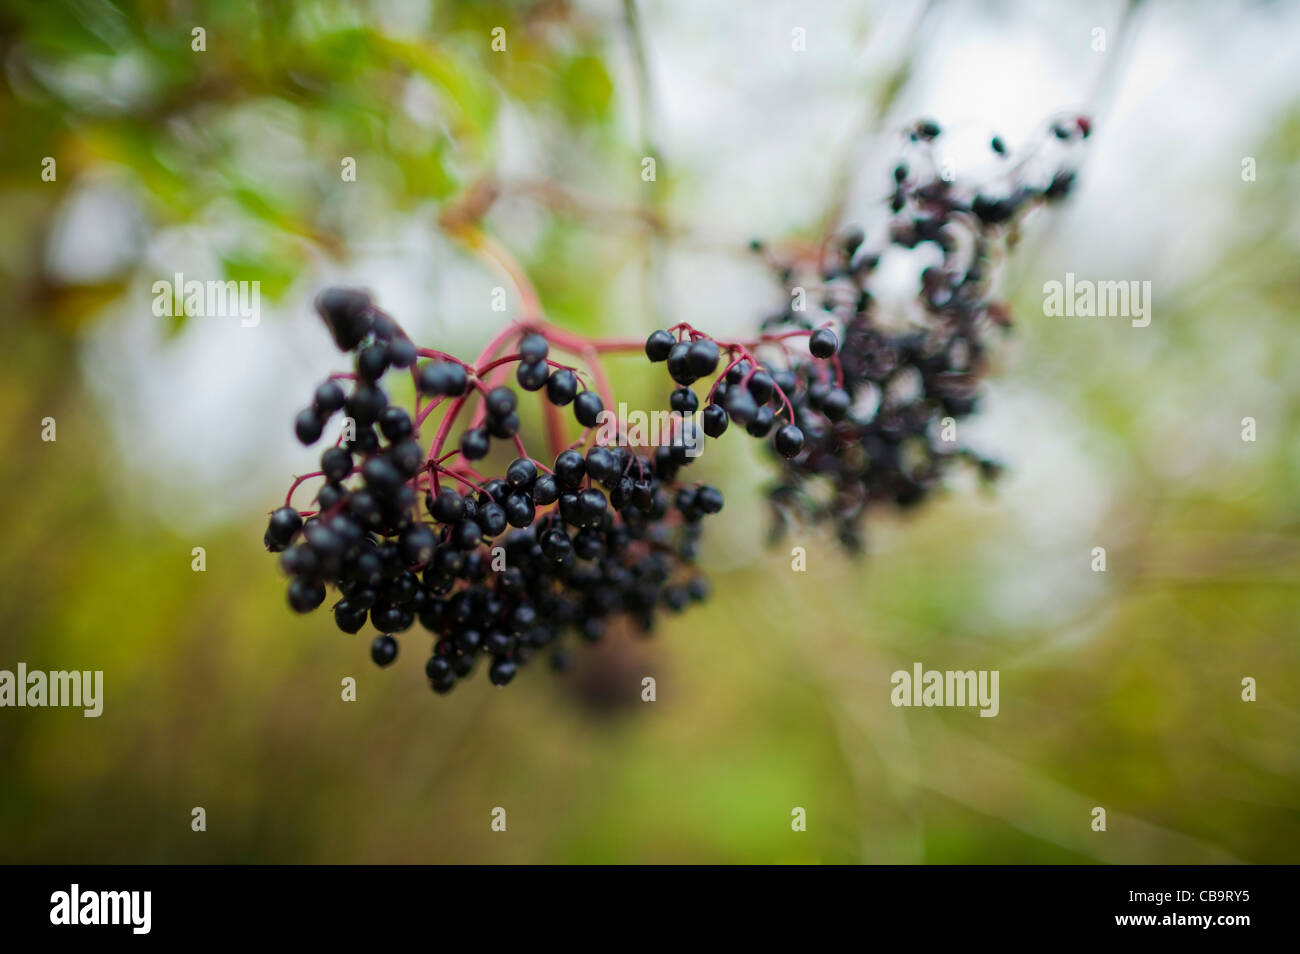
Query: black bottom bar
302	903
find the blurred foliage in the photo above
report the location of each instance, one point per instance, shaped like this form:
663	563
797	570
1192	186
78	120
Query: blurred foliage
775	694
123	90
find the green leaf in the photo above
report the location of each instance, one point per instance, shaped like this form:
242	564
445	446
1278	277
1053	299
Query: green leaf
585	89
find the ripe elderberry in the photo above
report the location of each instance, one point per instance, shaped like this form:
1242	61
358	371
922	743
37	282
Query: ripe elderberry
823	343
658	345
590	542
587	408
607	537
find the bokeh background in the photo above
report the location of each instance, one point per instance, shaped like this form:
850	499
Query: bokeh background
1118	689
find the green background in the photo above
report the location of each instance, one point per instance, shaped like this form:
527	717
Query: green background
1119	690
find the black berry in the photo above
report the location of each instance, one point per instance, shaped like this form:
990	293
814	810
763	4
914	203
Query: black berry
587	408
475	443
658	345
383	650
702	358
533	348
789	440
714	420
823	343
308	426
532	375
561	387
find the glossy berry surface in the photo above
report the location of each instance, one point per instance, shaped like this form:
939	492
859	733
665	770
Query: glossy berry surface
714	420
561	387
440	520
532	375
533	348
587	407
789	441
383	650
475	444
684	401
308	426
658	345
823	343
702	357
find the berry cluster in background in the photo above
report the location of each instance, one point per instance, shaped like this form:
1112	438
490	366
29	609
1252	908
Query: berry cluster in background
603	531
874	432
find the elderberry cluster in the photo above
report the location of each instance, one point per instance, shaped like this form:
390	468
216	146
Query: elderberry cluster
859	406
501	569
878	426
750	394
